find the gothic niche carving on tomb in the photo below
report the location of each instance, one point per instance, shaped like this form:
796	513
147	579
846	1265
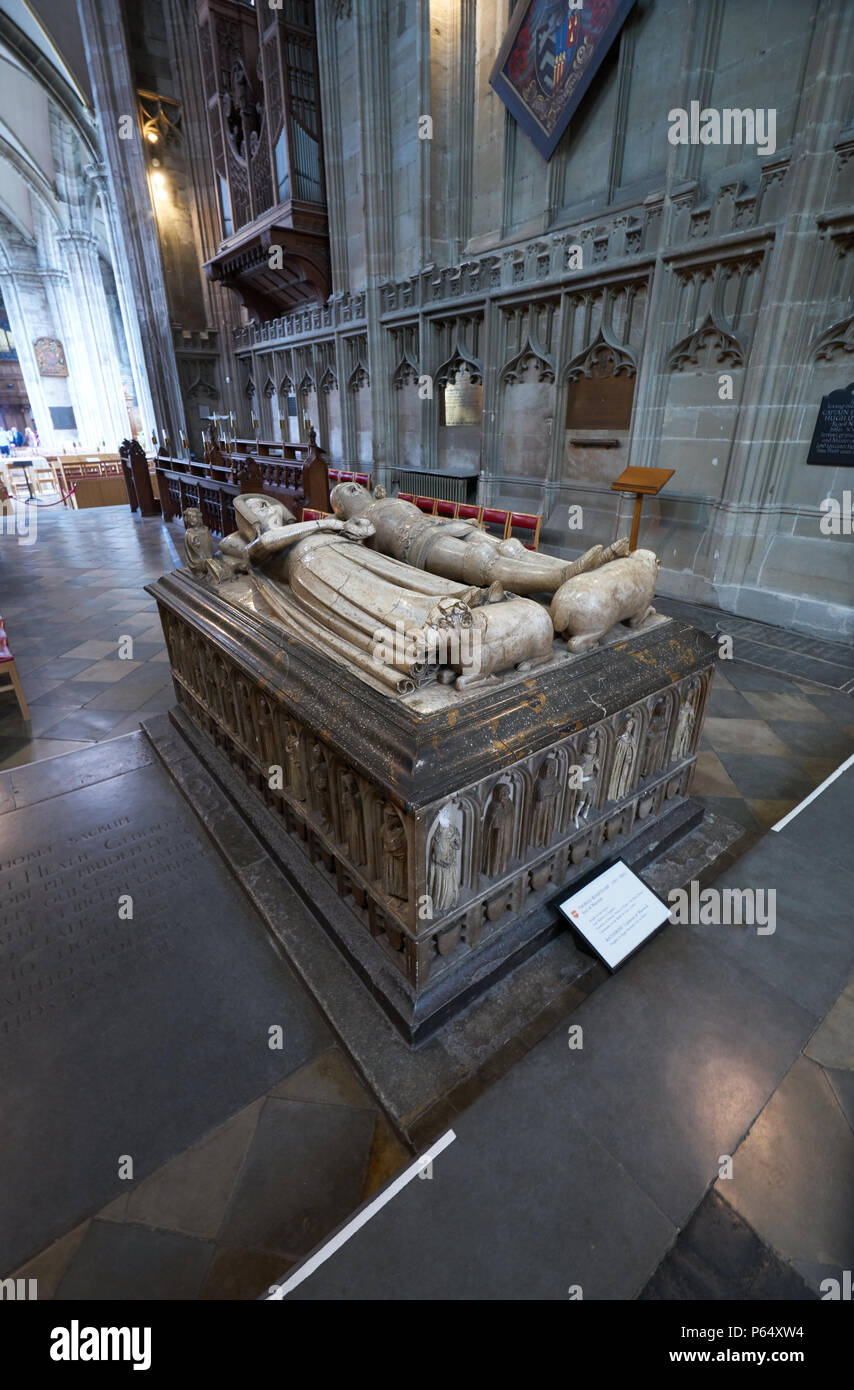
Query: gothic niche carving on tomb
623	766
319	779
582	799
656	739
351	812
685	723
547	790
394	856
293	754
498	832
444	880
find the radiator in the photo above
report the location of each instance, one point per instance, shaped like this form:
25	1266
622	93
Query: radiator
442	485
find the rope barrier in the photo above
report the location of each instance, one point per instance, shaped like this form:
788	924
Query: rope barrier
37	502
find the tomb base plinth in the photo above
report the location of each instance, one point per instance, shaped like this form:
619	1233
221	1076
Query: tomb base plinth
444	824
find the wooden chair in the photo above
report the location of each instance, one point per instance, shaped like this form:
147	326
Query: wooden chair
312	514
8	668
496	521
526	522
18	479
406	496
467	511
427	505
446	508
46	478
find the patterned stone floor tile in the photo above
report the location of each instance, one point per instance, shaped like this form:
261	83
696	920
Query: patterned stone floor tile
135	1263
813	740
832	1043
711	777
328	1080
768	812
842	1084
819	769
388	1156
740	735
793	1176
107	670
717	1256
773	705
191	1192
49	1267
243	1274
765	776
92	649
304	1173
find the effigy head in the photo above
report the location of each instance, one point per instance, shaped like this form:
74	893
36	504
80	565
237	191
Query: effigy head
256	513
349	499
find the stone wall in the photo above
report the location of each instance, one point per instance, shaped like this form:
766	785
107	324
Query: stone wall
697	262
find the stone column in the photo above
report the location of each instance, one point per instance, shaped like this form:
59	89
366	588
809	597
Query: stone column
89	342
10	286
97	173
114	92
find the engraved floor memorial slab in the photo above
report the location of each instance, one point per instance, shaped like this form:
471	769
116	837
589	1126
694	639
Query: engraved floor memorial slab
138	991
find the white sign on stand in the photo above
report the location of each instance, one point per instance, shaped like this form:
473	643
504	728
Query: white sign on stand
615	913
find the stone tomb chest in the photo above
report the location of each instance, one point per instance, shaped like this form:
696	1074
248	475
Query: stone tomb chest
446	821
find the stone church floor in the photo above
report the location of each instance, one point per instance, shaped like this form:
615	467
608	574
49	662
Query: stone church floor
604	1169
146	1042
246	1157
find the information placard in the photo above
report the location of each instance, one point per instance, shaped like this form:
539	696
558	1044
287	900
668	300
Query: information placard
615	913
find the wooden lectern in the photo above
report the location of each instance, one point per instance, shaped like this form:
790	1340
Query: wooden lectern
643	482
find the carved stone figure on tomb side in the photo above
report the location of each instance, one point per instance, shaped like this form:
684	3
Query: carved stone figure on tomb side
216	685
200	557
245	721
393	840
198	542
354	826
546	797
266	740
685	725
623	768
656	740
319	778
296	781
498	832
444	885
582	798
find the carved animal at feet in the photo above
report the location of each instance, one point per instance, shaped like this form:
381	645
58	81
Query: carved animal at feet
585	608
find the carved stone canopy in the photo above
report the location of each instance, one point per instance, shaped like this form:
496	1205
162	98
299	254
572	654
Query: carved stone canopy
709	345
603	357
